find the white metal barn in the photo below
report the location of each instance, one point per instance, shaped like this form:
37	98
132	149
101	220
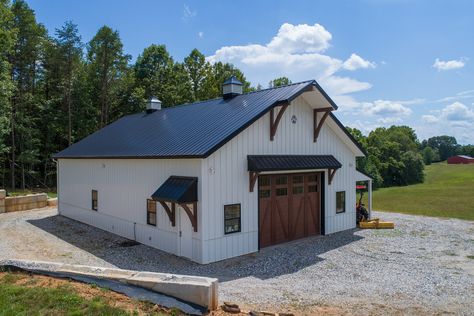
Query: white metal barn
219	178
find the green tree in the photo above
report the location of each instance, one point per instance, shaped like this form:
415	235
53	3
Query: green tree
7	39
199	72
158	75
446	145
412	171
223	71
69	46
107	63
278	82
428	155
26	73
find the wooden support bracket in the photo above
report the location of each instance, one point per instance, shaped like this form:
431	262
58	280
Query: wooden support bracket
171	212
275	121
253	176
191	214
331	174
318	125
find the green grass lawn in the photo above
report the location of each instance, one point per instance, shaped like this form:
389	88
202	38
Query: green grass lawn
448	191
26	294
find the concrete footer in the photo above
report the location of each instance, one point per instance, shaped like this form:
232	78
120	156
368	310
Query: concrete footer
198	290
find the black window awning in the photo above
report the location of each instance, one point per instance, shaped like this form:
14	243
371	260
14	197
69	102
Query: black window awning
258	163
177	190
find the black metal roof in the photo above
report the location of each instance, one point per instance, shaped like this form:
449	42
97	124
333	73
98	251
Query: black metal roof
291	162
177	189
187	131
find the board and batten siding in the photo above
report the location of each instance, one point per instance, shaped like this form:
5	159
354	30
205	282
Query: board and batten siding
123	187
225	179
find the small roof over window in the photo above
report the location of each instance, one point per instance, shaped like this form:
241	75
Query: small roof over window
291	162
178	190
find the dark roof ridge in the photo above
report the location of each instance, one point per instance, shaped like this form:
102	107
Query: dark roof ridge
219	98
286	85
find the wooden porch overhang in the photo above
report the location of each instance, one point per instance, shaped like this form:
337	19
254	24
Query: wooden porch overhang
181	191
256	164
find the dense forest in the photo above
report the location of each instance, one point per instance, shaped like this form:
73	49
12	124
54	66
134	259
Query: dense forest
55	90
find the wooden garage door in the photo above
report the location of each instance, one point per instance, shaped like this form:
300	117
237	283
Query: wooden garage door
289	207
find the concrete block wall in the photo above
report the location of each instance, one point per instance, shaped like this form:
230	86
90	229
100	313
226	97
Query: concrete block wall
3	194
22	203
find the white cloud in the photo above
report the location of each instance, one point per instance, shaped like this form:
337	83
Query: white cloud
467	94
428	118
356	62
302	38
455	119
342	85
387	109
188	14
200	34
449	64
297	52
389	120
457	112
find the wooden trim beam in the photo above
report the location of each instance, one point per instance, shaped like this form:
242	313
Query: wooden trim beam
331	173
171	212
191	214
324	109
253	176
318	125
275	121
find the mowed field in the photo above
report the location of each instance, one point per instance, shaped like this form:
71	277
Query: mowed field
448	191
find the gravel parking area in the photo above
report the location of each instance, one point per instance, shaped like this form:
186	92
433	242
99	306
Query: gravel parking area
425	265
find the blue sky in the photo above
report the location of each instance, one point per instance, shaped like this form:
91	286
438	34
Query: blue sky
383	62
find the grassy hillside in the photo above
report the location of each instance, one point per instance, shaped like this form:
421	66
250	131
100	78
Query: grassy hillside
448	191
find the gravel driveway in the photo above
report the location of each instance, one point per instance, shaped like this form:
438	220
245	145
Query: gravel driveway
425	265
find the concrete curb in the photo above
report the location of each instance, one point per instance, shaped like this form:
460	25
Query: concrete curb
198	290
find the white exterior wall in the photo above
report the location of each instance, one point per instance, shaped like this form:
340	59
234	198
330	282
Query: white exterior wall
123	187
225	179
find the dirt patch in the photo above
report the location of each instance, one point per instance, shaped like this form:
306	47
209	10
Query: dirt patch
86	291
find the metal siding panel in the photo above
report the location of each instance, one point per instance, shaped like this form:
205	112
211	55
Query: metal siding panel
231	177
123	186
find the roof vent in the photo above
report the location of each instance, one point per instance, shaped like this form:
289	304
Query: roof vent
153	105
231	88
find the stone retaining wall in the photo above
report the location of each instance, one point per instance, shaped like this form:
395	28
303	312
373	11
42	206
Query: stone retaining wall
22	203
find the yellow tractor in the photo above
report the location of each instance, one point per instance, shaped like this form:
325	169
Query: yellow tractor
363	216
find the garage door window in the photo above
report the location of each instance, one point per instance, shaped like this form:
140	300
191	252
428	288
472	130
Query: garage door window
340	202
151	212
231	218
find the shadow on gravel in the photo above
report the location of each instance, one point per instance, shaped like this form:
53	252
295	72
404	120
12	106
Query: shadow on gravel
126	254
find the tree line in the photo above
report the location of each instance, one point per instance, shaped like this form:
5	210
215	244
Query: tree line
55	89
396	157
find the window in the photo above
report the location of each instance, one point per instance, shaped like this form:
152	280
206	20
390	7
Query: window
297	179
340	202
298	190
95	198
231	218
281	180
151	212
